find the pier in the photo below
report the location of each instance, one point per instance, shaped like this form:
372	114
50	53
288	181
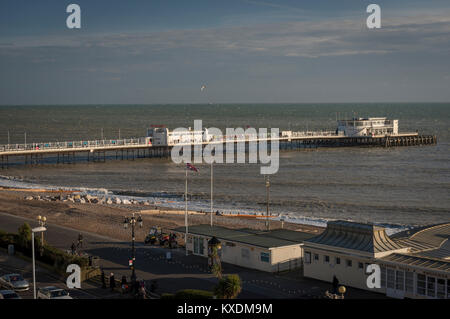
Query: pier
130	149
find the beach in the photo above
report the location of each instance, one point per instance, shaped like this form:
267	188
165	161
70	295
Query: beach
107	220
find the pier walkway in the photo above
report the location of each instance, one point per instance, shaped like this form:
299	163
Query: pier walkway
99	150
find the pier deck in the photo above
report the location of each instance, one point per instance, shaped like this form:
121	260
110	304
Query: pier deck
66	152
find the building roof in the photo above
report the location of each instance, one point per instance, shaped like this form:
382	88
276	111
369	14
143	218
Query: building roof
355	236
429	241
429	263
265	239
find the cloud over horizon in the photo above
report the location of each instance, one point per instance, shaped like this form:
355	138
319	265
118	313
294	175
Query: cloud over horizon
228	57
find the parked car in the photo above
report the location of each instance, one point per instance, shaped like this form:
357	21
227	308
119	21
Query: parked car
9	294
52	292
14	282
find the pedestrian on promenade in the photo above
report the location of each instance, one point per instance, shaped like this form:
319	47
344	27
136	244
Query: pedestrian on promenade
124	284
112	282
80	240
153	286
103	279
142	292
335	284
73	248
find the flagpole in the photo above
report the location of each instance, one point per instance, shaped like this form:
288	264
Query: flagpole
185	211
212	177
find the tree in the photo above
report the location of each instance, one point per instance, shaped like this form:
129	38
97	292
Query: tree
214	260
25	235
228	287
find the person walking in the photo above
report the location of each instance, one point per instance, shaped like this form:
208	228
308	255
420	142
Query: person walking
80	240
103	280
112	282
73	248
142	292
335	284
124	284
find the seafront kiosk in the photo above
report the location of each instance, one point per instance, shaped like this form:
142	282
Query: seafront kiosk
271	251
414	263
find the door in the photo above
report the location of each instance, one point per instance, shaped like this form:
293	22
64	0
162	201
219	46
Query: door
395	283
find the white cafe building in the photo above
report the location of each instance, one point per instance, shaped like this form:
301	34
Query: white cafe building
413	263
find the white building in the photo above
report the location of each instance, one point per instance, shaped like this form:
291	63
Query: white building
414	264
270	251
372	126
162	136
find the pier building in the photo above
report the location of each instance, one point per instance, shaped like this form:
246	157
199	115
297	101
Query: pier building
371	126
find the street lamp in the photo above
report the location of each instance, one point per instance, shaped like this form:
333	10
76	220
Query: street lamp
267	198
342	291
40	229
42	220
132	221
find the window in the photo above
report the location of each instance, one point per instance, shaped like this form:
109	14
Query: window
245	253
431	286
349	263
440	288
448	288
338	261
399	280
409	281
390	278
327	259
421	280
360	265
316	257
198	246
383	277
307	257
265	257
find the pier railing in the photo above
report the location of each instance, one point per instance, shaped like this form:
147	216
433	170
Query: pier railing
76	145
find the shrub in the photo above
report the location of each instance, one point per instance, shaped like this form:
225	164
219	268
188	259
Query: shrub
50	255
228	287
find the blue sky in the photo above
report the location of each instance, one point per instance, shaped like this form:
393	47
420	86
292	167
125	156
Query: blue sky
243	50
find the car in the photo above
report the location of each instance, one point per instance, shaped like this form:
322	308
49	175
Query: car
15	282
9	294
52	292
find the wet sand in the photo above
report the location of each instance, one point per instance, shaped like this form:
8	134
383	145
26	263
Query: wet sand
107	220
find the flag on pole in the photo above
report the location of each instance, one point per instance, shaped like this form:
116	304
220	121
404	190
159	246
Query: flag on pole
191	167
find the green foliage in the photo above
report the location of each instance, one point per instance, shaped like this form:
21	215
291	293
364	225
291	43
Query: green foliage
216	269
25	235
167	296
216	266
228	287
50	255
193	294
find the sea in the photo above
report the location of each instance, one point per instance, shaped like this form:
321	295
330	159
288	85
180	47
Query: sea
398	187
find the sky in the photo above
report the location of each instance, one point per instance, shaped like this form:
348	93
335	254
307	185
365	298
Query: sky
243	51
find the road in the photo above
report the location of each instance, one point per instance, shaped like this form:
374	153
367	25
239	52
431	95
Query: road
11	264
181	272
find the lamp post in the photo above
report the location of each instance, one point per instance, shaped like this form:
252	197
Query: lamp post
35	230
42	220
267	199
132	221
342	291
